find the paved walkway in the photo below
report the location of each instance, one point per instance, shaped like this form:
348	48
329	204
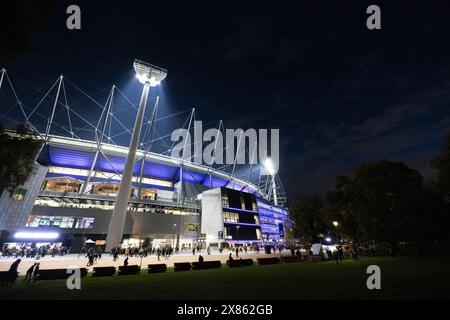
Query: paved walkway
72	260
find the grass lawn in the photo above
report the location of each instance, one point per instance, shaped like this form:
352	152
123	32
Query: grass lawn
401	278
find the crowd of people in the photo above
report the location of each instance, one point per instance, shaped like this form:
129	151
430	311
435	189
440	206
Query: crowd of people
29	251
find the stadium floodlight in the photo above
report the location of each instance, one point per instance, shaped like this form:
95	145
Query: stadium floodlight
268	165
328	239
146	72
270	168
150	76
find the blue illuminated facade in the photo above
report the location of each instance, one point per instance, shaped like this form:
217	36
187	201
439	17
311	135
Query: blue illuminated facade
274	220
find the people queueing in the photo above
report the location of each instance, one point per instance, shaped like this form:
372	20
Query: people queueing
125	262
193	251
200	258
237	252
230	257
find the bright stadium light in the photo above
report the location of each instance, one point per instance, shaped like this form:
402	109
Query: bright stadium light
335	223
268	165
270	168
36	235
146	72
328	239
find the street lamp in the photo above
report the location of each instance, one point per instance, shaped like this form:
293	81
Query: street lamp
150	76
336	224
237	233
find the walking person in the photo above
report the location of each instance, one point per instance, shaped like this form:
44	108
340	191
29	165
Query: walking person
12	272
36	272
29	273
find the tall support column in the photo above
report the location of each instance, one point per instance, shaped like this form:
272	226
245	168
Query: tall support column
274	191
99	139
1	79
180	186
50	121
117	222
149	145
180	190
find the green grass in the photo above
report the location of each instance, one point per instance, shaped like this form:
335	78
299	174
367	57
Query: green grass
401	278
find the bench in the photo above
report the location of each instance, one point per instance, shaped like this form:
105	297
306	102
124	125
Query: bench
55	274
128	270
289	259
182	266
206	265
157	268
5	278
239	263
104	271
265	261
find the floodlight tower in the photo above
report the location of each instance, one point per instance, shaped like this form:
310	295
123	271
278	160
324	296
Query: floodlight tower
270	168
150	76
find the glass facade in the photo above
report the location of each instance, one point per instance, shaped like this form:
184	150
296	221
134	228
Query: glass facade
272	220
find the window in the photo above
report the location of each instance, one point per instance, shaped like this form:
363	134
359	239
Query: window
254	206
227	234
59	222
225	202
230	217
256	219
191	227
242	203
258	234
18	194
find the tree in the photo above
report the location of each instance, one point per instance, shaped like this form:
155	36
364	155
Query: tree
384	201
17	153
442	163
309	217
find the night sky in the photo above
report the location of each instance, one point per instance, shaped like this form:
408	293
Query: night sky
339	93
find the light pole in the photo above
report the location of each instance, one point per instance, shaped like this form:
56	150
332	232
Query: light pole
270	168
336	224
150	76
173	237
237	234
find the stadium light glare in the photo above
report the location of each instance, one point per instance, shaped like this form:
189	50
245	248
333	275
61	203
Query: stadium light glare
328	239
36	235
268	165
